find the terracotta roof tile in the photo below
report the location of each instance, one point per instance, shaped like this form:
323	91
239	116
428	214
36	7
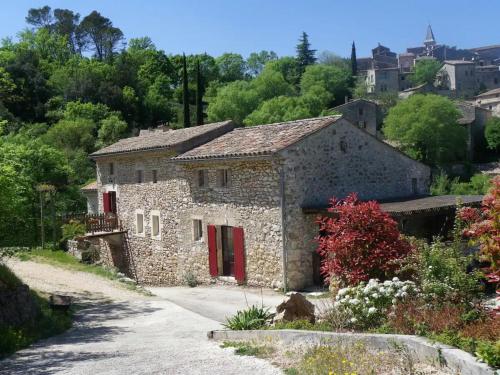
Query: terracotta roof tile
258	140
161	139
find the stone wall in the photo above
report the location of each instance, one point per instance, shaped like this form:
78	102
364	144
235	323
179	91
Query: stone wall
336	161
251	201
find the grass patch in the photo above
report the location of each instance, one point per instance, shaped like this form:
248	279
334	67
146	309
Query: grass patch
246	348
63	259
48	323
304	325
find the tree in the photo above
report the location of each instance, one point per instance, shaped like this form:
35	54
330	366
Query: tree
278	109
111	130
426	128
354	61
40	17
334	80
305	55
257	60
425	71
231	67
99	34
185	95
199	95
66	24
492	133
288	67
359	242
233	102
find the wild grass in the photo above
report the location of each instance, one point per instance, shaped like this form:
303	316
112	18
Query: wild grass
249	349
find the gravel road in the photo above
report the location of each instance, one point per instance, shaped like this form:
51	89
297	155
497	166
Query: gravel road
122	332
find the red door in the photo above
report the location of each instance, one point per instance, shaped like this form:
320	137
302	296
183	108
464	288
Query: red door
106	203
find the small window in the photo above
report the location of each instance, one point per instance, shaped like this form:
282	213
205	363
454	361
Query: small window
154	173
111	169
202	178
139	223
496	81
223	177
155	225
139	176
197	230
402	78
360	111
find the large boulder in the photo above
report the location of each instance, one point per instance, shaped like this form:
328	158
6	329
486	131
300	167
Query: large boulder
295	307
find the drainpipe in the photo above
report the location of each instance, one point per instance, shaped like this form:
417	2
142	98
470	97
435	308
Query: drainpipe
283	228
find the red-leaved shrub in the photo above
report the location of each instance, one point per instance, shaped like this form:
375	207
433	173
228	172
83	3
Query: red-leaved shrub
359	241
483	227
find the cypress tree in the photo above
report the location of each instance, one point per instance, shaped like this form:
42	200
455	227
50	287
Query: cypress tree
305	55
199	95
185	93
354	61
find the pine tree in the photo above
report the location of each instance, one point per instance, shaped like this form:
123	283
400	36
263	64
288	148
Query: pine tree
305	55
199	94
185	93
354	61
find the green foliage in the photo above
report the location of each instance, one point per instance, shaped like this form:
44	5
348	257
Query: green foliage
304	325
425	127
489	353
444	274
492	133
334	80
72	229
231	67
112	130
443	185
48	323
305	55
257	60
425	71
253	317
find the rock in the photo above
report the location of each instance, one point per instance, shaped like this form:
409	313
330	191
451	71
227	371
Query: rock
17	306
60	302
295	307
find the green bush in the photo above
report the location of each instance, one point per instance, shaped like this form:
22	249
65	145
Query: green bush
253	317
71	230
477	185
48	323
444	274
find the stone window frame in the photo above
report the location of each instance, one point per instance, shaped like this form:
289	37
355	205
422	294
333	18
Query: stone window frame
201	175
154	176
137	233
197	225
139	171
155	213
223	178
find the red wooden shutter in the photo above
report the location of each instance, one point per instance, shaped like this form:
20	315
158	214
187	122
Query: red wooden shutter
239	254
106	204
212	250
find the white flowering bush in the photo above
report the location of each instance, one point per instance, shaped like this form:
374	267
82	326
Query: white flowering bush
367	304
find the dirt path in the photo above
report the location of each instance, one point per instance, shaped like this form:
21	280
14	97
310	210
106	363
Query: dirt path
129	334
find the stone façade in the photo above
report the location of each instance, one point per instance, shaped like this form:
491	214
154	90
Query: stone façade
265	197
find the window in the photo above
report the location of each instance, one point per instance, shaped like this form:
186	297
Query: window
197	230
360	111
155	225
223	177
414	186
496	82
139	173
202	178
402	78
139	223
154	173
111	169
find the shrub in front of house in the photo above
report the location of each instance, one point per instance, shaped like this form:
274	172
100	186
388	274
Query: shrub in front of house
253	317
368	304
360	242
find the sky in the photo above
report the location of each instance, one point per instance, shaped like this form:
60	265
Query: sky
218	26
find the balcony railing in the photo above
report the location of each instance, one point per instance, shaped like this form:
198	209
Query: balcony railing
96	223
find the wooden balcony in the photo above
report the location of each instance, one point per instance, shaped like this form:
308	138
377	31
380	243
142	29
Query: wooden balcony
97	223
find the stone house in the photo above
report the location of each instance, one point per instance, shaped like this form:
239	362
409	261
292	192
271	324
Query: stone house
364	113
382	80
225	204
489	100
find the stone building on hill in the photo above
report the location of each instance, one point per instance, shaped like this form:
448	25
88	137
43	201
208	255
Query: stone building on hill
224	204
